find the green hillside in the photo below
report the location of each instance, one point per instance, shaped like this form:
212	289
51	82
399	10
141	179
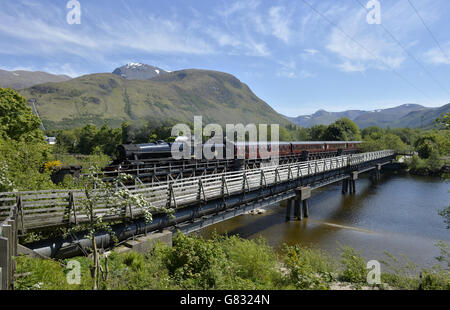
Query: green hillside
177	96
422	119
406	115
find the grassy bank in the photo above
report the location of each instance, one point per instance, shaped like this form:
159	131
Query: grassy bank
227	263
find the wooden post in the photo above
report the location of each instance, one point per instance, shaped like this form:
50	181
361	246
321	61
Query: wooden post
4	255
20	213
14	241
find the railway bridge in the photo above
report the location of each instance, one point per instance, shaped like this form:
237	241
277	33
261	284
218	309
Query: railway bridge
197	202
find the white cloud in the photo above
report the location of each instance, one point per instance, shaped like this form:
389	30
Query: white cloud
258	49
280	23
367	48
351	67
375	48
436	56
288	69
223	38
311	51
29	34
238	6
305	74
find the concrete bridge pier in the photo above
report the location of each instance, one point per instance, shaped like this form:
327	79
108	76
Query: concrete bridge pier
378	172
302	196
289	207
349	185
353	178
345	185
298	211
306	208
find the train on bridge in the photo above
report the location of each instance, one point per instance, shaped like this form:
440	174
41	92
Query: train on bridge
131	155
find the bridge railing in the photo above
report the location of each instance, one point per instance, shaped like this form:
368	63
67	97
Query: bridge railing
58	207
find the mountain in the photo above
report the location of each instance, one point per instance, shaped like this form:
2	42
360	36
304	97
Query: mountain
323	117
424	118
172	96
387	117
138	71
23	79
406	115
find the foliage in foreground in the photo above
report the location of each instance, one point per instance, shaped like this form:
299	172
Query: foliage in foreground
223	262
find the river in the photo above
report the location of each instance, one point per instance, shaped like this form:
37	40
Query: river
399	215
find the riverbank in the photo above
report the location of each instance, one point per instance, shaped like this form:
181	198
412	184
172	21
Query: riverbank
224	262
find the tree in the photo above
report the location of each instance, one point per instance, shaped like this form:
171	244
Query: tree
125	128
444	121
87	139
108	139
317	132
23	164
302	134
284	134
369	131
433	141
343	129
334	133
379	141
66	141
16	118
408	135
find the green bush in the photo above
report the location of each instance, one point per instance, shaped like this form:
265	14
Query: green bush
354	266
134	271
22	165
251	260
308	268
195	262
437	279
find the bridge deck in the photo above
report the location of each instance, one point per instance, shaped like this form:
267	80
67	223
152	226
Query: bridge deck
61	207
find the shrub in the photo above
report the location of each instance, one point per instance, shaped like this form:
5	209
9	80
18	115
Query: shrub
253	261
308	268
354	266
195	262
435	280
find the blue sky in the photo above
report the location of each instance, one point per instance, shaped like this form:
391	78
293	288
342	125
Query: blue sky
289	55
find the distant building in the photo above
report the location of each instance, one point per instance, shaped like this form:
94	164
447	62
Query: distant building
50	140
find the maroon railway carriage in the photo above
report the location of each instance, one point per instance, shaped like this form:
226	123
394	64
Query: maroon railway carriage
308	149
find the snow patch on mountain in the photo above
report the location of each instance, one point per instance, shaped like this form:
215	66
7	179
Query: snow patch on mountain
138	71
